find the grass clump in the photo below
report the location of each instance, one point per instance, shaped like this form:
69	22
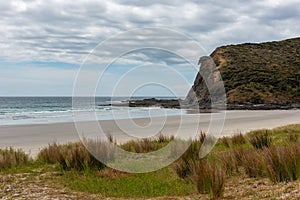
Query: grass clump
283	162
75	156
209	178
293	137
253	163
10	158
225	141
217	182
238	139
260	139
147	145
184	165
201	176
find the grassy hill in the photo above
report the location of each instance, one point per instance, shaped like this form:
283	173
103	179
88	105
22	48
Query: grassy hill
265	73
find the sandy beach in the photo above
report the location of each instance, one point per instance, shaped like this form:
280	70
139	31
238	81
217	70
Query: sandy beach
33	137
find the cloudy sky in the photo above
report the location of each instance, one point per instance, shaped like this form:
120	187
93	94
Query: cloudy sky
44	43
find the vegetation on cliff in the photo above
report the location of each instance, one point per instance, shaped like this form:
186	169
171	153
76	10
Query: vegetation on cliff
265	73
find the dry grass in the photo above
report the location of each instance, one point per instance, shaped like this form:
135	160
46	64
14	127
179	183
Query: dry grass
217	181
76	156
229	163
260	139
147	145
12	158
225	141
209	178
293	137
283	162
253	163
201	176
238	139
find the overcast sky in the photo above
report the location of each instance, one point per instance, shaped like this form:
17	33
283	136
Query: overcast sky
43	43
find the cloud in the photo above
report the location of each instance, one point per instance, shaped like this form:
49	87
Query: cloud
36	80
66	32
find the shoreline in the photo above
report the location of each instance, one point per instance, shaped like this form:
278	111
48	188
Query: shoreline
32	137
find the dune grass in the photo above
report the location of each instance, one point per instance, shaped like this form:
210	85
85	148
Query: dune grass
272	154
10	158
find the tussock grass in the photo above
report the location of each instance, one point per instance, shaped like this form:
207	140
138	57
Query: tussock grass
182	169
75	156
147	145
229	163
293	137
217	182
283	162
184	166
260	138
209	178
225	141
10	158
238	139
254	164
201	176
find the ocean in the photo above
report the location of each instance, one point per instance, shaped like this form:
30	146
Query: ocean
40	110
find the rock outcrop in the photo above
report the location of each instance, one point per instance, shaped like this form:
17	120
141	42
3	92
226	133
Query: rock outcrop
255	76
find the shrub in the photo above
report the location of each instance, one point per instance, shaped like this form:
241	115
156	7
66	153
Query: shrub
10	158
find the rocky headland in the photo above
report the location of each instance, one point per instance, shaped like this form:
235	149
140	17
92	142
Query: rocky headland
255	76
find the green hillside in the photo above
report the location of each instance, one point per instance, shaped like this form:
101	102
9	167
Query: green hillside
266	73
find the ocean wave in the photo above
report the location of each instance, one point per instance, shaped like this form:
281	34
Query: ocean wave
20	117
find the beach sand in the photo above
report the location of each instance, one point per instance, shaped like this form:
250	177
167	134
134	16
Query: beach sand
31	138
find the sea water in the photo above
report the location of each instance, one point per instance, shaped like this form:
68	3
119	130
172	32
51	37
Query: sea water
36	110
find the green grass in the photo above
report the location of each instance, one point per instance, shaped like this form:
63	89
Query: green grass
160	183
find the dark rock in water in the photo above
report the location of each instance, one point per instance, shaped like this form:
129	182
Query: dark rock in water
153	102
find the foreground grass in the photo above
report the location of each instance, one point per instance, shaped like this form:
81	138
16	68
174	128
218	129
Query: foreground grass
160	183
243	166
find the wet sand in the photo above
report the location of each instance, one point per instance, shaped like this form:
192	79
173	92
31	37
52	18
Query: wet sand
33	137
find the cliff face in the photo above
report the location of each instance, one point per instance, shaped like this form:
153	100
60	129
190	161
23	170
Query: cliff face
208	90
266	73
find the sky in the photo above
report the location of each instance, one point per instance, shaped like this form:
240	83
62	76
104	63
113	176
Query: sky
126	47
